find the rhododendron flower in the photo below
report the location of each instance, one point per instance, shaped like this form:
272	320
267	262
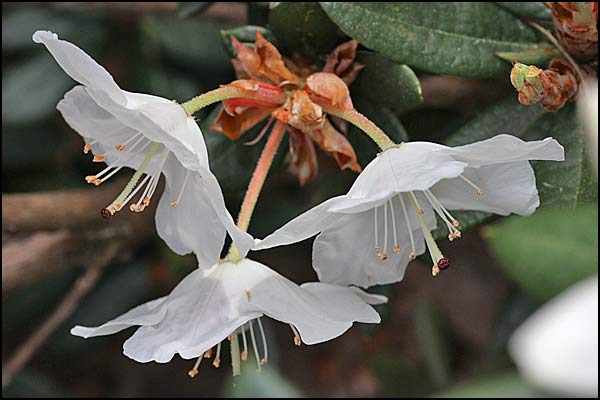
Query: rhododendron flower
211	304
368	236
153	136
557	347
308	92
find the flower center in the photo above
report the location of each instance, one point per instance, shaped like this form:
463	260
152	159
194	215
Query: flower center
439	261
128	150
243	330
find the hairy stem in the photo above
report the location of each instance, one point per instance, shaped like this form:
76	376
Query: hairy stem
365	124
214	96
256	183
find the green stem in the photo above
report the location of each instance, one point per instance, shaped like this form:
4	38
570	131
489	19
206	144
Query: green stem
214	96
256	183
365	124
136	177
435	251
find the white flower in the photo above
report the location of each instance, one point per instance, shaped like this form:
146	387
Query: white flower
557	348
392	205
152	135
211	304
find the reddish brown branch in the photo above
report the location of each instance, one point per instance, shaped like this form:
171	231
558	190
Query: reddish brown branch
66	307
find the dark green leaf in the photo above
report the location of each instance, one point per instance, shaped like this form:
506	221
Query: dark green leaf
537	57
548	251
383	117
245	34
508	384
31	91
444	38
303	27
187	9
231	161
433	344
385	82
527	9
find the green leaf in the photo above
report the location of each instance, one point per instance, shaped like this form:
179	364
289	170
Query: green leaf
507	384
385	82
303	27
245	34
527	9
537	57
443	38
383	117
187	9
231	161
433	344
267	383
31	90
548	251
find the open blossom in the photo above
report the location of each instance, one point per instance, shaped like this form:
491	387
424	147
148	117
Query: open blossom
209	305
153	136
305	89
368	236
556	349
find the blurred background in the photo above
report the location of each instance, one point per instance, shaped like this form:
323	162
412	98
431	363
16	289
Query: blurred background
444	336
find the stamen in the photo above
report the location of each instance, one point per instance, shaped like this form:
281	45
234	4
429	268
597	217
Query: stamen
413	253
265	357
254	347
123	145
208	353
137	189
383	256
99	159
451	228
217	361
396	245
88	146
156	175
297	340
453	220
434	251
377	245
194	371
133	181
244	354
174	203
98	181
478	190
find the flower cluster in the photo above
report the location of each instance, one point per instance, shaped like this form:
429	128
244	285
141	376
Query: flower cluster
365	237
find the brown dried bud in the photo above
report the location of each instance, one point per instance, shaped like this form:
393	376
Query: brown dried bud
552	88
576	28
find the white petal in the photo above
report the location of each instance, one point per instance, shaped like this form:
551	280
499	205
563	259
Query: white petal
302	227
150	313
504	149
508	188
319	311
79	65
344	253
95	124
410	167
557	348
202	310
192	226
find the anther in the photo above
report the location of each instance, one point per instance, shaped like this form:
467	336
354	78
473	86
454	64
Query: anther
382	256
480	192
377	248
97	182
248	295
297	341
244	355
146	201
216	362
397	249
263	361
455	223
120	147
208	353
435	270
87	148
99	159
192	373
173	204
421	211
90	178
412	256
